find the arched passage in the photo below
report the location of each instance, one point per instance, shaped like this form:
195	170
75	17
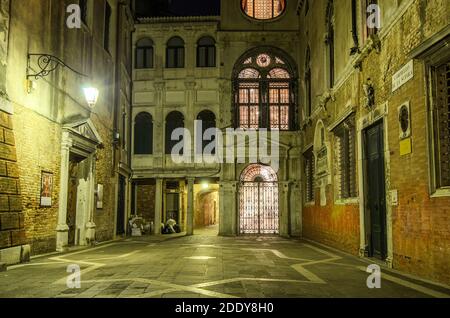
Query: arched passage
258	201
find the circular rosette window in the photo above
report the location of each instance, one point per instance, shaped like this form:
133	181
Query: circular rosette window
263	9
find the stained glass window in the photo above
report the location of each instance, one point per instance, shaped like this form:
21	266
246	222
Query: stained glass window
264	96
263	60
263	9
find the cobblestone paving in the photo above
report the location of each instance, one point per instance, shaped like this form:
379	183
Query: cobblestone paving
206	266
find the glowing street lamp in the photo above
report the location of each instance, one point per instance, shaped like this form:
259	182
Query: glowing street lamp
47	64
91	95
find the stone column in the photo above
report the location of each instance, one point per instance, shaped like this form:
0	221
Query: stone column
190	207
90	225
62	230
190	109
296	209
283	188
228	193
158	206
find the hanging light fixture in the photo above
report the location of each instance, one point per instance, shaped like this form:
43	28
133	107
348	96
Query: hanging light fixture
91	94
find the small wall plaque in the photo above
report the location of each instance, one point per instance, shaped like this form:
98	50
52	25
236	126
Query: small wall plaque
403	76
46	189
405	147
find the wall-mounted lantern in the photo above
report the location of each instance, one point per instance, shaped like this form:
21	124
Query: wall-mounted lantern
47	64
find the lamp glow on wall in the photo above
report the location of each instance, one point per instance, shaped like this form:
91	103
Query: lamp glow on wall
91	94
46	64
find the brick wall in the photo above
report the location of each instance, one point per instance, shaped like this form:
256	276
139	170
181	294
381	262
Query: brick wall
104	219
145	203
12	218
421	224
205	206
334	225
37	137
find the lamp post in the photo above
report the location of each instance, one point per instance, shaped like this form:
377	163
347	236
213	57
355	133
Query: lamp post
48	63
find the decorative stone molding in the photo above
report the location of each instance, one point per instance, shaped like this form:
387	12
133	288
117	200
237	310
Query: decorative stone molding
322	155
159	86
373	43
5	104
190	85
179	19
4	30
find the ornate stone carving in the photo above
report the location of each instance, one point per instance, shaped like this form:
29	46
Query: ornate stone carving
369	94
4	29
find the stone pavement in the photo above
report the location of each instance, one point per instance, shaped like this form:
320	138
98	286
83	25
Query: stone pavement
206	266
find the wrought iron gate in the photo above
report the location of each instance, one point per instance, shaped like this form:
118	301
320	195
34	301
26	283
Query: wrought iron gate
259	203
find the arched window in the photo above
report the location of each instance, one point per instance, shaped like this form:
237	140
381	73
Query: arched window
175	53
144	53
308	86
264	91
263	9
330	42
208	120
174	120
206	52
143	134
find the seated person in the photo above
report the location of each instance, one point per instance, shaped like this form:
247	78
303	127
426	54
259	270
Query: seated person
170	226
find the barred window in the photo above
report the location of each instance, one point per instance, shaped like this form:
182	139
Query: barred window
345	159
264	94
309	175
442	124
263	9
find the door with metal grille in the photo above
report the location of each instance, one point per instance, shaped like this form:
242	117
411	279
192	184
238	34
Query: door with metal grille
259	201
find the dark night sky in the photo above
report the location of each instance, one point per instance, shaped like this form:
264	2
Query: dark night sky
151	8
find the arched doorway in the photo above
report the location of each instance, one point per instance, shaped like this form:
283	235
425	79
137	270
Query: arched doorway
258	201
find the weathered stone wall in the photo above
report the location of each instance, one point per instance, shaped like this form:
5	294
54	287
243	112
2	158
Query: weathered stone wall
12	218
206	212
145	202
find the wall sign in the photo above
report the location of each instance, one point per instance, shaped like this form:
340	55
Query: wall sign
404	75
46	188
405	147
